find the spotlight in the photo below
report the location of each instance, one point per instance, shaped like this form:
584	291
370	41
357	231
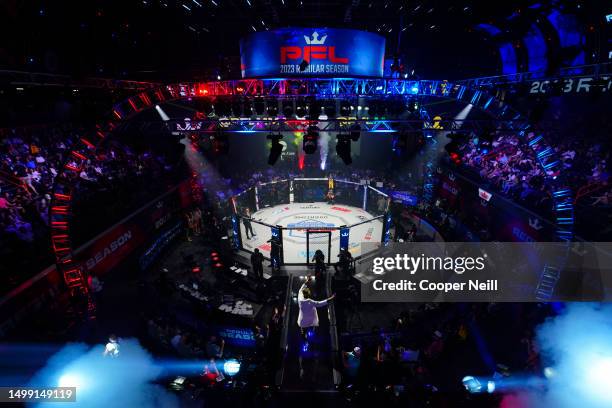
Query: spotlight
272	107
478	385
231	367
345	109
490	387
343	148
549	372
311	140
472	385
287	110
300	110
276	149
161	113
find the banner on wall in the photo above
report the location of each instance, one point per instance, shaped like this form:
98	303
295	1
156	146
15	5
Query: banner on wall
312	52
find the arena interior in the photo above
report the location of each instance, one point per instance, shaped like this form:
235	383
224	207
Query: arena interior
275	203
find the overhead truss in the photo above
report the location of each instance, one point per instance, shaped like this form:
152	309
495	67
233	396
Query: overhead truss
60	212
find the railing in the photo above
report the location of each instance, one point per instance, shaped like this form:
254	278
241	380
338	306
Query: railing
593	70
24	78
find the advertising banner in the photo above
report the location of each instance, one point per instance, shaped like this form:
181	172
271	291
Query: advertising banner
312	52
112	246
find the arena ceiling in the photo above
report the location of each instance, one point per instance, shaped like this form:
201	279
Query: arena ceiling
174	39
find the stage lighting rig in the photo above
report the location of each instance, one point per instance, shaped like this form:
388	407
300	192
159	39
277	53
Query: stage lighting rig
343	148
276	149
288	109
300	109
412	105
272	107
345	109
311	140
329	109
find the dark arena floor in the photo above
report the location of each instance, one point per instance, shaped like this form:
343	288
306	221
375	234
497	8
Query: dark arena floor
282	203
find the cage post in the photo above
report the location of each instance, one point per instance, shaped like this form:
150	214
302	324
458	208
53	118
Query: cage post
365	196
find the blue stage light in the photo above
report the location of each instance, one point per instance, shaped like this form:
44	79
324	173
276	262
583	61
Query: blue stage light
70	380
231	367
598	381
490	387
472	384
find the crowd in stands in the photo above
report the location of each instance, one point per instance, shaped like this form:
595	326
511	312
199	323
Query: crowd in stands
30	159
505	163
426	348
511	167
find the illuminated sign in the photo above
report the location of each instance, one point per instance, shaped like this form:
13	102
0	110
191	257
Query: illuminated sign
344	238
404	197
300	52
573	85
237	336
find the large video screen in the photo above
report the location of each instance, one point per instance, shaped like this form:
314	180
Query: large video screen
312	52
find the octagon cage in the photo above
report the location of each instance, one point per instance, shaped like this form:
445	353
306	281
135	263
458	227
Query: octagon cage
289	220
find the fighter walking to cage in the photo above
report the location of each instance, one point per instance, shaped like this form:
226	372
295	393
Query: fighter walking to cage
308	320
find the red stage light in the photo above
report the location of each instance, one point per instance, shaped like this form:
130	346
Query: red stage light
196	269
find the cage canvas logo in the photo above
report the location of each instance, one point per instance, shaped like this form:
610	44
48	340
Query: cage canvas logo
313	57
298	229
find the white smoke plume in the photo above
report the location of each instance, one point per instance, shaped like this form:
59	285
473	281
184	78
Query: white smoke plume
105	382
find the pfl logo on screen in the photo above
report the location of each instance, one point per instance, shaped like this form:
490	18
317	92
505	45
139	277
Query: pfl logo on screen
314	49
